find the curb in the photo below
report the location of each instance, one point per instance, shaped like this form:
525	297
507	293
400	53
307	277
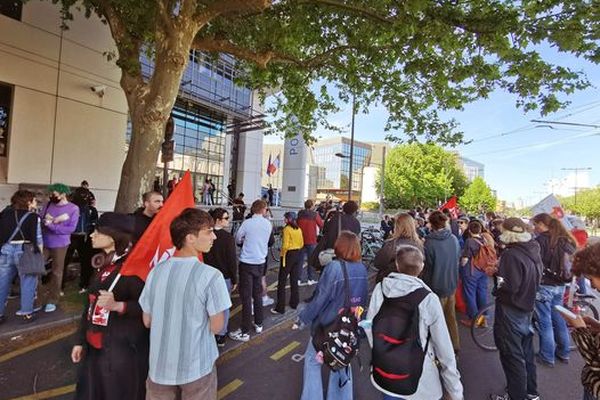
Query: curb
25	330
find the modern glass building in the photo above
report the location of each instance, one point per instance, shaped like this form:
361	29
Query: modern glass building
332	156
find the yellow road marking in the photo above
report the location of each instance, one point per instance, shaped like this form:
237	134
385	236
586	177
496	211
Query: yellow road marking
47	394
281	353
235	311
229	388
37	345
272	286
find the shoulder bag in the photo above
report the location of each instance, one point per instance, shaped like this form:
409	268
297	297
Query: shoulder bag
32	259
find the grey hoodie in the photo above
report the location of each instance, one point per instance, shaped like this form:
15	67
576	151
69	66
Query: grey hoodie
442	254
440	346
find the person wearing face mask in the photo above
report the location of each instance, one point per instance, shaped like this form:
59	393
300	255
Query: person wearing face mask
113	343
19	224
59	221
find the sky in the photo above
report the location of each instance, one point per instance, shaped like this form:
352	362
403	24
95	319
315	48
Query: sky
523	160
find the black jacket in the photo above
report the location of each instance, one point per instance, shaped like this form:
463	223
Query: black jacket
330	235
385	259
521	269
222	255
442	255
141	223
8	222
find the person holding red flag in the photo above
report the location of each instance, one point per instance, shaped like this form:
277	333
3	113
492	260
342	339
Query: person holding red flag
113	343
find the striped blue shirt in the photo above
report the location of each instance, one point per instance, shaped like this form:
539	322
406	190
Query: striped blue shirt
181	294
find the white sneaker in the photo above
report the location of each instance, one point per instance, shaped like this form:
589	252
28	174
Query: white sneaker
311	282
267	301
22	313
258	328
50	308
239	336
300	283
82	291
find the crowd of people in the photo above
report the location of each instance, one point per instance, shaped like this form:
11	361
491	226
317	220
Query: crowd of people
159	339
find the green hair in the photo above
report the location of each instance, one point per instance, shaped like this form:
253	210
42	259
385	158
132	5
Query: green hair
60	188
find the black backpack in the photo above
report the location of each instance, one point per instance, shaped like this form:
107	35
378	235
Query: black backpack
398	354
339	341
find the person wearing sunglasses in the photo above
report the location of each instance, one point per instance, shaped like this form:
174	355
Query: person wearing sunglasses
222	256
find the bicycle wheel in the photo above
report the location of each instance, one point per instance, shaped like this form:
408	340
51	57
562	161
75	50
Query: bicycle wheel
587	309
483	333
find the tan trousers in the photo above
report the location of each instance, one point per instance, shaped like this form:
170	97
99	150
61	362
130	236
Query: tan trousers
449	307
204	388
50	292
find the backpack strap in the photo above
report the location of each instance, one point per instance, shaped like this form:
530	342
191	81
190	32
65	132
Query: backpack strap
346	285
18	227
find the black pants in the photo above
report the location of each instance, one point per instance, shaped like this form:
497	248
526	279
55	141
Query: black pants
83	245
291	269
251	291
513	334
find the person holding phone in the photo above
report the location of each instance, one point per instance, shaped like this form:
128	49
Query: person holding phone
586	334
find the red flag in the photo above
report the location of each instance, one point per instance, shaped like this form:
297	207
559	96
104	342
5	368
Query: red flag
452	206
155	244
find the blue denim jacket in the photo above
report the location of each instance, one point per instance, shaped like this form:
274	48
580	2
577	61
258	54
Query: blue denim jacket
329	295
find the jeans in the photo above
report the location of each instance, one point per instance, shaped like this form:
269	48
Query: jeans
226	311
312	383
9	258
475	289
251	292
553	331
513	334
309	272
291	269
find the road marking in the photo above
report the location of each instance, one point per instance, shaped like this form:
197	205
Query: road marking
229	388
297	357
235	311
47	394
37	345
277	356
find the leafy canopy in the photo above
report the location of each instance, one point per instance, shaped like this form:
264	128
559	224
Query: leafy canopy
421	175
588	203
416	57
478	197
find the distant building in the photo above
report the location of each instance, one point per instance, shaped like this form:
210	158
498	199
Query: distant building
472	169
335	171
370	189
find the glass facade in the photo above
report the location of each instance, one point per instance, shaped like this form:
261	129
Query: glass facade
5	104
11	8
334	171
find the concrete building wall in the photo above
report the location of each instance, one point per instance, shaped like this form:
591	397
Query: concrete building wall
61	131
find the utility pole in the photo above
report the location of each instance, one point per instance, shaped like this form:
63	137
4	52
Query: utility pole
351	148
382	184
576	170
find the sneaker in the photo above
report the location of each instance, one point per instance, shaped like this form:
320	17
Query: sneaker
300	283
221	339
27	318
274	311
311	282
23	313
267	301
82	291
564	360
62	293
481	322
50	308
533	397
540	360
258	328
499	397
239	336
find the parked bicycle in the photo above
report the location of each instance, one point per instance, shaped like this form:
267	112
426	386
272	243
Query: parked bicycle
371	243
483	331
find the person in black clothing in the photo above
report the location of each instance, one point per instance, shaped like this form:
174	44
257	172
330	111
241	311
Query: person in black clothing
271	195
517	282
230	192
239	208
153	202
22	208
222	256
385	227
113	342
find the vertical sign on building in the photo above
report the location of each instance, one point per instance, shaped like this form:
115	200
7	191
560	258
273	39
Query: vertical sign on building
294	172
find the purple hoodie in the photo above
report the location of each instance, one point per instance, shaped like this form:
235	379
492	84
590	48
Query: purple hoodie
59	235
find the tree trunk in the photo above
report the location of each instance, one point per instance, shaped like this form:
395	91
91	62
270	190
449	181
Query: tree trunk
149	110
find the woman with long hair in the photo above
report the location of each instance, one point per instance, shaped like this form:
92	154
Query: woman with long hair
329	299
557	246
19	224
405	232
113	342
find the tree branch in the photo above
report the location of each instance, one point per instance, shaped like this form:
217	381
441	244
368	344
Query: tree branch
164	14
228	7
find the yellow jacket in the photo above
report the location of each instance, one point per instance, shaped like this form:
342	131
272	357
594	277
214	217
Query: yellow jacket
291	240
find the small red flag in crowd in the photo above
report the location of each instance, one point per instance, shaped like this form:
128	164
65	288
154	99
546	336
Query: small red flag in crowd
155	244
452	206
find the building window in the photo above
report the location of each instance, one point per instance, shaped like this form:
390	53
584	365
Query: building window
5	103
11	8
